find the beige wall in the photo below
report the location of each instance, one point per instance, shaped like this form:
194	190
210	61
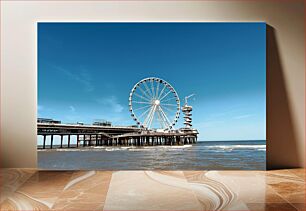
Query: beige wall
286	73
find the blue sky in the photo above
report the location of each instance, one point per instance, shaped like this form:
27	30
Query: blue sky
86	72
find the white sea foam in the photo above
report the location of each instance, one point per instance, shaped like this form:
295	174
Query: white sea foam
64	150
168	147
96	148
146	148
161	148
99	147
110	149
164	148
239	146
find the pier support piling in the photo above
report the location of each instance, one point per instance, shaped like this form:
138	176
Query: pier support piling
68	141
51	146
44	143
77	144
62	141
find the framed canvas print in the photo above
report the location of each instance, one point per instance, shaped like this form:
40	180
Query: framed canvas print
162	96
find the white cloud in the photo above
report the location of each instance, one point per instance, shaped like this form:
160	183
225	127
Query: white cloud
83	78
243	116
111	102
72	108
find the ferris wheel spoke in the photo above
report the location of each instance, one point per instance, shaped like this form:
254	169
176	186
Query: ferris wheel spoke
152	88
165	95
157	89
164	114
143	113
148	90
148	100
169	109
148	95
142	102
142	107
148	116
145	122
168	104
164	121
172	98
162	91
152	117
160	120
166	124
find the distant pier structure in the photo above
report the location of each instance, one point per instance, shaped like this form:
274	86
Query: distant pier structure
155	107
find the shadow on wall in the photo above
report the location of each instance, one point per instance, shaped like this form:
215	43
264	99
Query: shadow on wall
281	141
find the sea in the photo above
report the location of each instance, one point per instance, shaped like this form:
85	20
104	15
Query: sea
204	155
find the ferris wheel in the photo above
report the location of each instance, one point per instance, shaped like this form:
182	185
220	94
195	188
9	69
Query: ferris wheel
154	104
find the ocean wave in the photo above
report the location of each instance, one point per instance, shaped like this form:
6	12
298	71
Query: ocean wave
115	148
99	147
164	148
233	147
169	147
64	150
92	149
110	149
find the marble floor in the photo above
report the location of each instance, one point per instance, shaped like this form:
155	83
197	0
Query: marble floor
28	189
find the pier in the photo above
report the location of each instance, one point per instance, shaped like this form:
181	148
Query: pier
93	135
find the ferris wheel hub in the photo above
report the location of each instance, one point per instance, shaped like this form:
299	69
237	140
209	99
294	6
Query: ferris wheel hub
156	102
